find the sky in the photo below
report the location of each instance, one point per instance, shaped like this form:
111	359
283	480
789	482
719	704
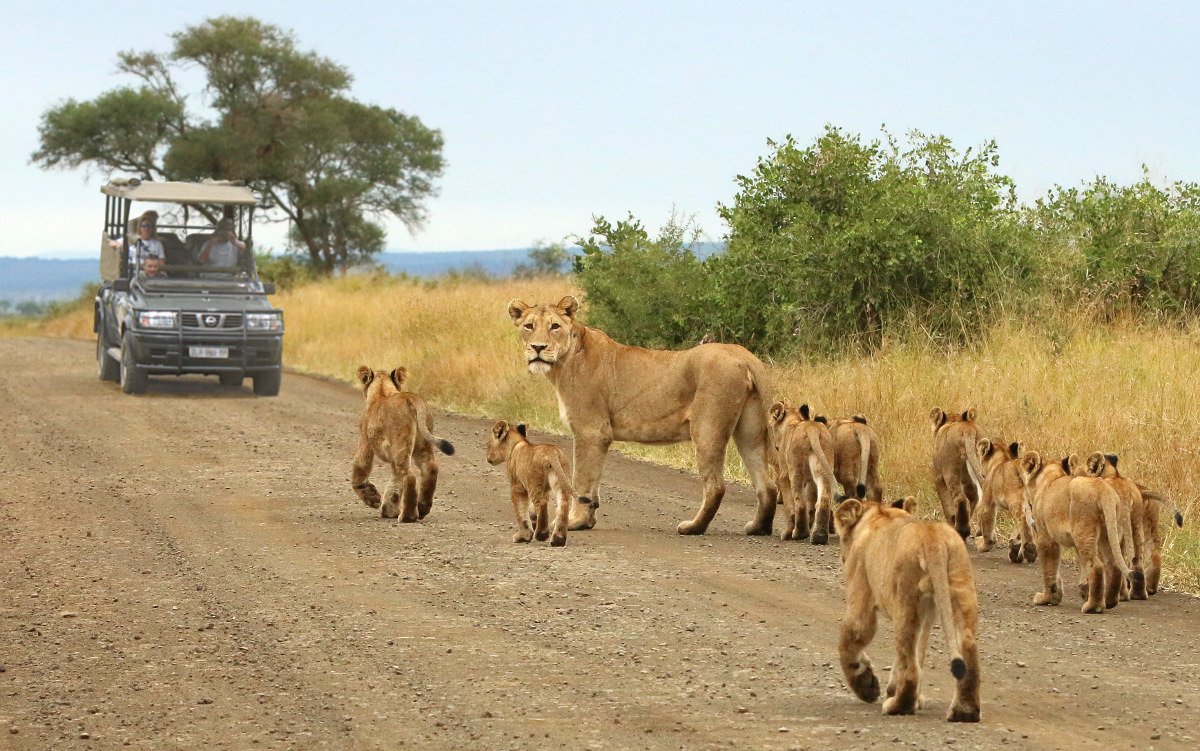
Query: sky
553	112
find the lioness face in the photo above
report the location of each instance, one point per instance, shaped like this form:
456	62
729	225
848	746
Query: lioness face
547	331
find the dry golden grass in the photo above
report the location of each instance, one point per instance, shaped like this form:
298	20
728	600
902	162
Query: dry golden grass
1123	387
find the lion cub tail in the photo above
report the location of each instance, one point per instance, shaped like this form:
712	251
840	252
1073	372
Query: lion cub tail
938	567
1153	495
1112	526
423	422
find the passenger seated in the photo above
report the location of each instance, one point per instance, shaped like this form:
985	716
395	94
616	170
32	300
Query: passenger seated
223	248
145	244
152	267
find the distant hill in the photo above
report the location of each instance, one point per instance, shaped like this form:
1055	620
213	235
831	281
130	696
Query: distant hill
44	279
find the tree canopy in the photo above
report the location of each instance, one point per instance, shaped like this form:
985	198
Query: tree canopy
276	117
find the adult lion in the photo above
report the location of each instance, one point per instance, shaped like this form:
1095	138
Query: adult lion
608	391
914	572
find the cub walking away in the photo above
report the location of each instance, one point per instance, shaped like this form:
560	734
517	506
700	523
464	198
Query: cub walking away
914	572
397	427
536	474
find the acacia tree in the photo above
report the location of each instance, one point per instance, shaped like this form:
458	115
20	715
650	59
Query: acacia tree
275	117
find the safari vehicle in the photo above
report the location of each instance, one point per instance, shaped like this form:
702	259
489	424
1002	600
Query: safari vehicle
197	318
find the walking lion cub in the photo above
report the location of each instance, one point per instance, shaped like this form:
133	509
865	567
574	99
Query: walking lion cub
536	473
396	426
914	572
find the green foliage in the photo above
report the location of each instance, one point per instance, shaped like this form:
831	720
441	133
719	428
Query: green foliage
286	271
544	260
645	291
832	245
331	166
1131	248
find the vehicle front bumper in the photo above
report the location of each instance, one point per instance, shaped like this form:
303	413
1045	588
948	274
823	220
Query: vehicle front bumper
167	352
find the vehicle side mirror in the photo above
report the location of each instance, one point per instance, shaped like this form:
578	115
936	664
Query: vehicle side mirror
268	288
120	285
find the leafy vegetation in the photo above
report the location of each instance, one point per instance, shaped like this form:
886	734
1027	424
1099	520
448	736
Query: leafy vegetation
282	123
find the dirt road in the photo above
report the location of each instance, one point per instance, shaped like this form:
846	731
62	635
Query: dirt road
190	569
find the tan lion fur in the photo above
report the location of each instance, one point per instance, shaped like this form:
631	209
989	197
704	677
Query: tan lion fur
1132	539
397	427
1003	490
803	446
856	458
1075	512
536	475
914	572
608	391
956	471
1155	504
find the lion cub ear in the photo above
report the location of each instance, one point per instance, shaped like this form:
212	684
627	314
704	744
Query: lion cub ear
821	419
907	504
400	377
984	448
1031	463
968	414
804	412
500	429
778	411
1014	449
938	417
846	516
516	309
521	429
365	375
1069	463
568	305
1112	459
1094	466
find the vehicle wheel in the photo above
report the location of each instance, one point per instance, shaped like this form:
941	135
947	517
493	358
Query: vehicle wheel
231	380
133	379
267	384
107	368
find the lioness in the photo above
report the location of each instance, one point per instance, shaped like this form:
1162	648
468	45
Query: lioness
1155	502
1079	512
609	391
806	477
397	427
956	471
914	572
1003	489
856	458
536	474
1132	539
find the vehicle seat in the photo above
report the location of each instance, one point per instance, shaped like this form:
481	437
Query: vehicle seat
195	243
176	252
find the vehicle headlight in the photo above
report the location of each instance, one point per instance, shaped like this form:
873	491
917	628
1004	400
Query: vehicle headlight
157	319
264	321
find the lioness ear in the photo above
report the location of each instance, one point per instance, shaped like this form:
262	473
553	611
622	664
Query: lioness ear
937	417
968	415
500	429
365	375
1095	464
521	429
400	376
803	411
984	448
516	309
1112	459
777	412
568	305
846	516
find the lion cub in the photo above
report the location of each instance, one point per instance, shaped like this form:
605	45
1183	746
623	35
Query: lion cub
805	474
856	458
396	426
915	572
956	471
1003	489
536	474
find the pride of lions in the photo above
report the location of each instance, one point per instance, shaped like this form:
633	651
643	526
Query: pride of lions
915	571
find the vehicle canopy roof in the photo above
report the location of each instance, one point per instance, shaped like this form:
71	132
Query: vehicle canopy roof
207	192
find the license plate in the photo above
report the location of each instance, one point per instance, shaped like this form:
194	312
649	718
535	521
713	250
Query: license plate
209	353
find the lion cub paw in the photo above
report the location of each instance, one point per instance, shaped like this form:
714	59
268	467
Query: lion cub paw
864	684
523	536
983	544
558	540
691	528
963	714
894	705
370	496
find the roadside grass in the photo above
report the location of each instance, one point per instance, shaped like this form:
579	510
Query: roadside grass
1059	385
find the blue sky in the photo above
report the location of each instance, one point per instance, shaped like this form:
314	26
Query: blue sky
555	111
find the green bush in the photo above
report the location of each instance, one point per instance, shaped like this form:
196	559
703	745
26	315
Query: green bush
1130	248
286	271
832	245
645	291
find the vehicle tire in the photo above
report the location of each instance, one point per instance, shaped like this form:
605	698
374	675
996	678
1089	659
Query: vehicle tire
133	379
267	384
231	380
107	368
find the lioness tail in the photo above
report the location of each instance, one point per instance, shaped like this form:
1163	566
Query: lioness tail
422	415
938	567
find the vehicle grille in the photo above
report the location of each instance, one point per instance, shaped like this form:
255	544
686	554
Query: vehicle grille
221	321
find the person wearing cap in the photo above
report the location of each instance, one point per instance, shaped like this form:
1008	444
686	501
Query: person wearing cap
145	244
223	247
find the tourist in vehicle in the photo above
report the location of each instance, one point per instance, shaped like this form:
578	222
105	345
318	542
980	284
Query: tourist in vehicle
223	248
152	267
145	244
